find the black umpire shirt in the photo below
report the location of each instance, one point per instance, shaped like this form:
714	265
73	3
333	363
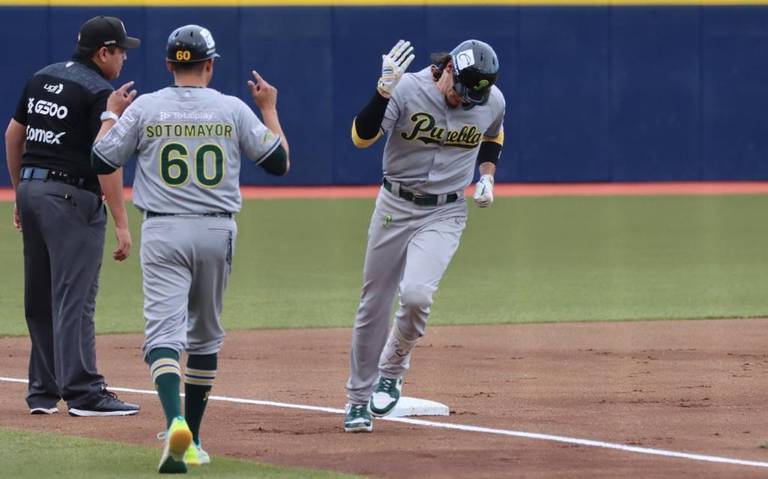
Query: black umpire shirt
60	106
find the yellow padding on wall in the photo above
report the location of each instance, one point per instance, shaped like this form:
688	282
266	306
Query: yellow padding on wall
263	3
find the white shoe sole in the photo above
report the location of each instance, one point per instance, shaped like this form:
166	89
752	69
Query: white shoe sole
88	413
359	429
381	412
44	410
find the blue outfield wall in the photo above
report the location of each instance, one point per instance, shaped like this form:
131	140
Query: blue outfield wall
594	93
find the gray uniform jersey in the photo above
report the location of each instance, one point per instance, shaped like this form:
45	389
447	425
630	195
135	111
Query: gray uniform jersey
189	142
432	148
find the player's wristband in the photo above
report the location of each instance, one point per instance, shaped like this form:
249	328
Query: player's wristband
490	152
109	115
368	121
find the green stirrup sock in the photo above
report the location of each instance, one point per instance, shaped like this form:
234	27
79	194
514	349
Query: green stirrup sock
166	374
198	381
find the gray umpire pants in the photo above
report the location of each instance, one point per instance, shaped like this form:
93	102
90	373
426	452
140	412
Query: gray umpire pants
409	249
63	233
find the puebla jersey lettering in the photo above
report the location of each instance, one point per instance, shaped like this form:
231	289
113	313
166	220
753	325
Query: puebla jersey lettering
424	130
431	147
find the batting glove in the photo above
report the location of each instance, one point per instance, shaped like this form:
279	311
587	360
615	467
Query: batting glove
484	191
393	65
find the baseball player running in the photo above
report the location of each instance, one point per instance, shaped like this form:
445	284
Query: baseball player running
440	121
189	139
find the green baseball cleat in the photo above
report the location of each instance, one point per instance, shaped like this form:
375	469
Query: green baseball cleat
385	396
357	418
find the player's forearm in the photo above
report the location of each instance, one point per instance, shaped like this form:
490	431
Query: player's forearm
106	125
368	121
487	168
112	186
272	122
14	149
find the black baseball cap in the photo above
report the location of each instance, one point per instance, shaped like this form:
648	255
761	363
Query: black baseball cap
104	31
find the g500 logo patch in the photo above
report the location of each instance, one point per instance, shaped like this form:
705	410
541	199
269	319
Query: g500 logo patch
48	108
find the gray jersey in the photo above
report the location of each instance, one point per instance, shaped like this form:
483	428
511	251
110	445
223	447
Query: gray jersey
189	143
432	148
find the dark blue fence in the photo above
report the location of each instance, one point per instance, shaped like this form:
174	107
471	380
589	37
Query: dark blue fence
593	93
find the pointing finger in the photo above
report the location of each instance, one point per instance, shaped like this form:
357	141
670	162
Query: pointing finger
125	86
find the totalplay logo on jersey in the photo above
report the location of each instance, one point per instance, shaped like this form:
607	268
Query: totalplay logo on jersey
424	129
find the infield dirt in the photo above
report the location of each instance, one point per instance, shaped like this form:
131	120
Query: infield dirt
688	386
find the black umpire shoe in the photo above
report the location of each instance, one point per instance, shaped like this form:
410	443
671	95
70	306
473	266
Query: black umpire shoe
105	404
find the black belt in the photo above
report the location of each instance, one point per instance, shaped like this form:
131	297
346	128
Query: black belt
29	173
214	214
418	198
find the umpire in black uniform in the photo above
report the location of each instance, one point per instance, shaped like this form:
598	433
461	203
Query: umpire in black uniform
63	220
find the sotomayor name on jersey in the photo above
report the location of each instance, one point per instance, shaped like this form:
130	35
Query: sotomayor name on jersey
182	130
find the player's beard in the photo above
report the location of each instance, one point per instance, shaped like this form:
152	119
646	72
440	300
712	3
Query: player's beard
452	99
445	84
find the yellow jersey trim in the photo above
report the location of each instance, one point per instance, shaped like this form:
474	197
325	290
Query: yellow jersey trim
495	139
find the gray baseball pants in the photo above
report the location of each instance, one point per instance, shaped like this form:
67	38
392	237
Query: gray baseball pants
186	262
409	249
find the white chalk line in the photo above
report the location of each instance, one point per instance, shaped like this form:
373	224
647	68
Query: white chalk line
479	429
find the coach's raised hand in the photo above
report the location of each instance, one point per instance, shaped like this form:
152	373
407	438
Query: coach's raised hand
265	97
119	99
263	93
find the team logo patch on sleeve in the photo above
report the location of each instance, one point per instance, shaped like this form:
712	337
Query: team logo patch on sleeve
269	137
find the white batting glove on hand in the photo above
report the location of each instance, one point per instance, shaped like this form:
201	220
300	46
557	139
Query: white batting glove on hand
393	65
484	191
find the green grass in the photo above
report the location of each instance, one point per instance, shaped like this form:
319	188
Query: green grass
26	455
298	263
